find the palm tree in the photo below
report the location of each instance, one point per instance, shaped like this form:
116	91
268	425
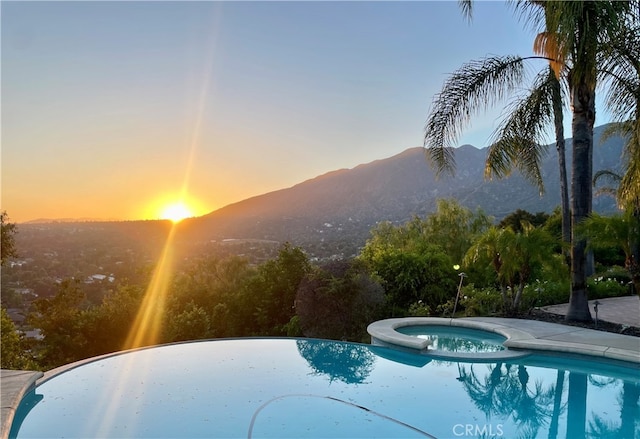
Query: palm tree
557	405
621	72
518	142
514	258
506	392
571	40
578	32
484	393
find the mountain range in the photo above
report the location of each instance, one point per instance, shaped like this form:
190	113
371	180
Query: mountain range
345	204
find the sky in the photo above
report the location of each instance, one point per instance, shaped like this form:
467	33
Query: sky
115	110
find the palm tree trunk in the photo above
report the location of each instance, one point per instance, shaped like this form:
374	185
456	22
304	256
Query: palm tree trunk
557	401
562	163
583	103
577	405
634	245
506	302
518	297
629	410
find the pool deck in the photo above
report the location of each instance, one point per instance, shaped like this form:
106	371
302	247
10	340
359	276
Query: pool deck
620	310
523	334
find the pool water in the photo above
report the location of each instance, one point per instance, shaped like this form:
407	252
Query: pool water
296	388
455	339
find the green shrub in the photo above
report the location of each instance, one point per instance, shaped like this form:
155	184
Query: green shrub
599	287
473	302
446	309
419	309
480	301
544	293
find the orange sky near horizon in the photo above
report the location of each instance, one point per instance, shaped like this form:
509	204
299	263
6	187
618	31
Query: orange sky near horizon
116	110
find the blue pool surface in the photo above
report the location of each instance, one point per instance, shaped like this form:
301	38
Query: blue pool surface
297	388
456	339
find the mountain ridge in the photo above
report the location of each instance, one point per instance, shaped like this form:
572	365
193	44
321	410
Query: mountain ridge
347	203
323	213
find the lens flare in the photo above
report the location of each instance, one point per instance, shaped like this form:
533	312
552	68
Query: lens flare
146	329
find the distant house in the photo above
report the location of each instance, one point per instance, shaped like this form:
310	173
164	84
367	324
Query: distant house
33	333
23	291
99	278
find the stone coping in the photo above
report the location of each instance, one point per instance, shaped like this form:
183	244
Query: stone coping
15	384
521	335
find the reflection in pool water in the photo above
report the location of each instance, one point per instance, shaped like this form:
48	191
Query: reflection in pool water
314	388
355	365
456	339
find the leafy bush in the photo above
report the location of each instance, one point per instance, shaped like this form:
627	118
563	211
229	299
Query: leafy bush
487	301
602	287
473	302
419	309
544	293
337	301
480	301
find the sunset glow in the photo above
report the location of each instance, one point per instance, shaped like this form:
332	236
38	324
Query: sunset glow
111	104
176	212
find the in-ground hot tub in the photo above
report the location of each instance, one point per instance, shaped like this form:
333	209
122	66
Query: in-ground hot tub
440	337
456	339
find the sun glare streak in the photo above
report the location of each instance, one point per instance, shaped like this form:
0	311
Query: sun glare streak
147	327
146	330
203	97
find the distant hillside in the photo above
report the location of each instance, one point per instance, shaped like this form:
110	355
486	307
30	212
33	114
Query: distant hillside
70	220
345	204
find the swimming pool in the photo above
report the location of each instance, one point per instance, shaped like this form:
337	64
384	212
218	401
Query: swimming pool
316	388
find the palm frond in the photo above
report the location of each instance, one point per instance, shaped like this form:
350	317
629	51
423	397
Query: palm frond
622	129
518	142
629	188
531	13
628	191
467	8
582	27
619	65
475	86
549	45
607	175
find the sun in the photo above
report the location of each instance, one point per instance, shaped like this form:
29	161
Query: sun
176	212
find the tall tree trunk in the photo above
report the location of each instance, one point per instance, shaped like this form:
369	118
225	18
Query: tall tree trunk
557	401
506	301
562	162
577	406
583	103
518	298
633	266
629	410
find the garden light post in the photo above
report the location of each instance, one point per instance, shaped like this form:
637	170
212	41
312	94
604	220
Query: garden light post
462	275
595	308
